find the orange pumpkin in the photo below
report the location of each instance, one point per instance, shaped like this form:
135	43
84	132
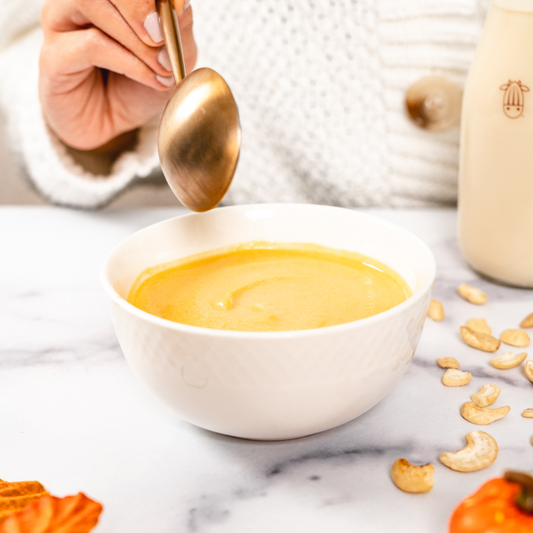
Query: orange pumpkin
502	505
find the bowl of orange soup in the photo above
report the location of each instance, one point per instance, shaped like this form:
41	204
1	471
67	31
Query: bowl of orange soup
270	321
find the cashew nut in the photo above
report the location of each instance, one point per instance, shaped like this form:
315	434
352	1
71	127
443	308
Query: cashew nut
528	413
527	322
528	369
481	451
456	378
472	294
448	362
435	311
515	337
487	395
482	416
478	340
508	360
411	478
478	324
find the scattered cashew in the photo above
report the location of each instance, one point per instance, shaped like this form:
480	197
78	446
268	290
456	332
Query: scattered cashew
435	311
487	395
508	360
528	413
481	451
478	340
478	324
411	478
456	378
448	362
472	294
528	369
527	322
482	416
515	337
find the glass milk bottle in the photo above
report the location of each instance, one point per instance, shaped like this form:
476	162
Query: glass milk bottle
496	167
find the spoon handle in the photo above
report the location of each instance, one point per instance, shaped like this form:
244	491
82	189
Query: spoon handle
171	32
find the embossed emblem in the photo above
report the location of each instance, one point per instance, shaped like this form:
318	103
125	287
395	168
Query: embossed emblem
513	98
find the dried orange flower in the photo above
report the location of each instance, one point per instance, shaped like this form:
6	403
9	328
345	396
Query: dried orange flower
73	514
15	496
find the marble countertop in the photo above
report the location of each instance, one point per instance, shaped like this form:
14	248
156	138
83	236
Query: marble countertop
73	416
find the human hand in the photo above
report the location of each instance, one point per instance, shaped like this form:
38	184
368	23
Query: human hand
103	68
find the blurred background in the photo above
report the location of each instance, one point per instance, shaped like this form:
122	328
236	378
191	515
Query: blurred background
321	89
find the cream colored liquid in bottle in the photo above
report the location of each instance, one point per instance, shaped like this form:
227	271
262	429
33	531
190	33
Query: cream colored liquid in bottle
496	168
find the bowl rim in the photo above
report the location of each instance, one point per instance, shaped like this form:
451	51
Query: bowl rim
270	335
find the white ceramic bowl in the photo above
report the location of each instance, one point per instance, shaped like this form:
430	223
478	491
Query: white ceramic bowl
273	385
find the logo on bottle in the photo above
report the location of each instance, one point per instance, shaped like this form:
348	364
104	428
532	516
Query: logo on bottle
513	98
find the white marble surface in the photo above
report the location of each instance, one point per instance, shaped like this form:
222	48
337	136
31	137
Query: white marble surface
73	416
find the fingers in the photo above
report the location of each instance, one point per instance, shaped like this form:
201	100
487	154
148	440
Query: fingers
61	16
100	72
142	17
68	59
70	15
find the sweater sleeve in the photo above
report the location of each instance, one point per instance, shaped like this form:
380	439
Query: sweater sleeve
50	167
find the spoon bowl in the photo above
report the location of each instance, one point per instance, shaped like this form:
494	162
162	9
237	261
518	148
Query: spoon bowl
200	134
199	140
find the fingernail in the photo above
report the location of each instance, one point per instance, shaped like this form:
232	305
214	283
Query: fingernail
152	25
167	81
163	59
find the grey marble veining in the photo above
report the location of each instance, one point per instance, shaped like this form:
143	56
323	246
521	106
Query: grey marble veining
73	416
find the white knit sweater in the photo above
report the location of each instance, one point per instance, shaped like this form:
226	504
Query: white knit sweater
320	86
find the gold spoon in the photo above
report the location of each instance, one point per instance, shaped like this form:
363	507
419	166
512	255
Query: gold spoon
200	134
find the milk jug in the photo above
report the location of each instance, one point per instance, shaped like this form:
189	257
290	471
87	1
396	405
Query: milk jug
496	165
